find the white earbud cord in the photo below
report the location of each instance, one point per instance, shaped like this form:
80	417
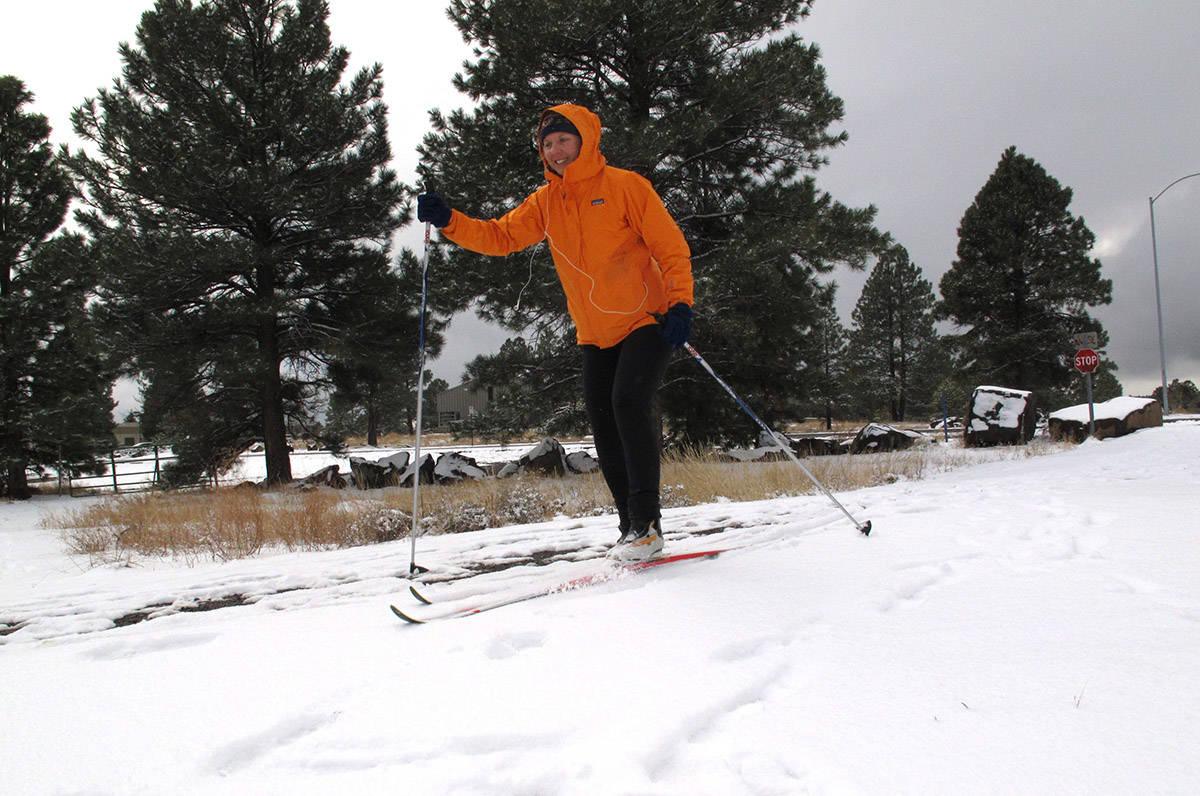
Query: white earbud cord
527	281
592	292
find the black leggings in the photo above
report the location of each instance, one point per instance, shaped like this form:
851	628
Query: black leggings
619	385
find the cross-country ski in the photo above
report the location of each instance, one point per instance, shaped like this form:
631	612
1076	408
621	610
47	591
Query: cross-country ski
499	600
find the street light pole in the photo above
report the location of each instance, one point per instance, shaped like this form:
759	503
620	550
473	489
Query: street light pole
1162	353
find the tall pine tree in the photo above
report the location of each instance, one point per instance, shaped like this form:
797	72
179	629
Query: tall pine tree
1023	282
827	378
55	390
373	366
240	193
894	346
726	114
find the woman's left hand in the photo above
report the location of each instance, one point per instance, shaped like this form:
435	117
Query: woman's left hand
675	325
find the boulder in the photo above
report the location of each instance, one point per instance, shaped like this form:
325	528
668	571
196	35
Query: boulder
879	438
1114	418
802	446
547	457
394	470
582	462
768	451
397	461
752	454
766	440
457	467
820	446
330	477
425	470
1000	416
372	475
952	423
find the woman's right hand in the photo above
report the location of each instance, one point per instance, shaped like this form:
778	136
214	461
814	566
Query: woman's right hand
432	209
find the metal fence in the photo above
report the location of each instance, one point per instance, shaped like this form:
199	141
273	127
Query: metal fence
133	469
140	468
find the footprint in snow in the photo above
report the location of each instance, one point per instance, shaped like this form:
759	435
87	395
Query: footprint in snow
749	648
509	644
246	750
117	650
914	584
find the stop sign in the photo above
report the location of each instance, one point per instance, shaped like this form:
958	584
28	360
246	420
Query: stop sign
1086	360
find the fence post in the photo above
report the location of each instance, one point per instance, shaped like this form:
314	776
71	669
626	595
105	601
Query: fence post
112	462
157	475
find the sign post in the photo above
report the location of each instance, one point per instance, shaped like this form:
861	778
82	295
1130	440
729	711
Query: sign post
1086	361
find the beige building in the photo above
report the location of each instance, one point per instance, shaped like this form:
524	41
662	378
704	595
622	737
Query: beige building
460	402
129	433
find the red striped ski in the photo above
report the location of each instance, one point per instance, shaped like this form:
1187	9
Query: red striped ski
423	614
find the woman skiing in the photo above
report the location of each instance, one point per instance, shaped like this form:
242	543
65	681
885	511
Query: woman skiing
626	271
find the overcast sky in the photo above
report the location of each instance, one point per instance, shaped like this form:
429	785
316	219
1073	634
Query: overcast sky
1105	94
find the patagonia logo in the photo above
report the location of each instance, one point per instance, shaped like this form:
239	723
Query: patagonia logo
597	202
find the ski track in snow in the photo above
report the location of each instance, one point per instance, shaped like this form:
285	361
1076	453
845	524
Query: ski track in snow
1017	626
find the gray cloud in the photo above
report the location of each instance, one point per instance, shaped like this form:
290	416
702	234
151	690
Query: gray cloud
1106	96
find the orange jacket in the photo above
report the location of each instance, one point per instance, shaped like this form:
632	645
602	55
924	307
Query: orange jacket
619	254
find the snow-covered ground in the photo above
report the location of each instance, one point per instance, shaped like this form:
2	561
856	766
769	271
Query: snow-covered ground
1023	626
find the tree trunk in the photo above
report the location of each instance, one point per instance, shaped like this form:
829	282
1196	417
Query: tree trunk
278	459
16	487
277	456
372	425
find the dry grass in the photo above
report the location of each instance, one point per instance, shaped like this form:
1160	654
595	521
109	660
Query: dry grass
235	523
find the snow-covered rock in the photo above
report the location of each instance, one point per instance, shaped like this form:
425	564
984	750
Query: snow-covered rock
766	450
373	475
397	461
456	467
426	469
1000	416
1114	418
547	457
878	438
330	476
582	462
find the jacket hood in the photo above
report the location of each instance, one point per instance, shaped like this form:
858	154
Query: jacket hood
590	160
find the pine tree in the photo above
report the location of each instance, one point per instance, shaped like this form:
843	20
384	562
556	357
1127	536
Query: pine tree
373	366
1023	282
725	114
1184	395
55	401
894	346
827	375
240	192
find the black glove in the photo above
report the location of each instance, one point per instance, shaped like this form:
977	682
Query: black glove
675	325
433	209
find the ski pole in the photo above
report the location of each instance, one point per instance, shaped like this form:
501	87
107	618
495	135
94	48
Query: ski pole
864	527
412	562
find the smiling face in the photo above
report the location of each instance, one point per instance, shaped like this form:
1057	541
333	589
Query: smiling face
560	150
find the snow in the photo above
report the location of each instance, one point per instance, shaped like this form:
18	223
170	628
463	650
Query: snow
1113	409
1026	625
